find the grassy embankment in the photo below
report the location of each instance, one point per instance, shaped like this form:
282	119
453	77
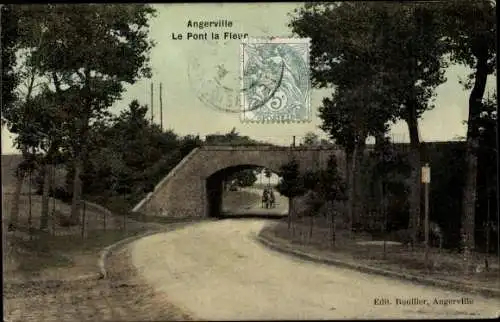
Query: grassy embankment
365	249
50	254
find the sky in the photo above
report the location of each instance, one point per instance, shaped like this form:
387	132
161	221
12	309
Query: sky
183	66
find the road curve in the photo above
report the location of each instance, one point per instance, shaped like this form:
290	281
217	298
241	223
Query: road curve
218	271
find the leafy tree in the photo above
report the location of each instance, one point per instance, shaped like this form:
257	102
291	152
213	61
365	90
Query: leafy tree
290	185
348	118
325	187
311	139
487	171
268	175
470	31
332	189
244	178
49	139
9	40
310	182
21	113
231	138
91	50
396	48
343	46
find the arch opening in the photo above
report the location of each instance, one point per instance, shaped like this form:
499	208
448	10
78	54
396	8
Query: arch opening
236	192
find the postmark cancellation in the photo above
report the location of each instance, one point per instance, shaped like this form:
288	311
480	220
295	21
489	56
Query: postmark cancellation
275	80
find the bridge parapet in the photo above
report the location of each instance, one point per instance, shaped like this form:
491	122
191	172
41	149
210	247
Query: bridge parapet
266	148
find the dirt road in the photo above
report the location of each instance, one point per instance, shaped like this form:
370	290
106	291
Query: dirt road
281	208
217	271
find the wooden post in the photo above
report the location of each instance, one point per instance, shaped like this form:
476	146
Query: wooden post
426	179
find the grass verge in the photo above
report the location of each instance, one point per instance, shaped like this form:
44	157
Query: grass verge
444	265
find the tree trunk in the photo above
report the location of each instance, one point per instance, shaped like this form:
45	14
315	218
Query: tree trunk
359	201
44	217
472	144
333	223
289	213
14	213
77	191
311	227
350	190
415	164
488	209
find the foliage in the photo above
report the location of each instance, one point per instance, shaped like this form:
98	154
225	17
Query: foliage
9	39
325	185
231	138
311	139
291	184
331	183
470	31
469	28
244	178
384	61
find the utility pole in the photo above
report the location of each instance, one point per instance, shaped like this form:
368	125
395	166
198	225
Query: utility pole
161	108
152	112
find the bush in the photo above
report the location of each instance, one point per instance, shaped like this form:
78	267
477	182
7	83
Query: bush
62	194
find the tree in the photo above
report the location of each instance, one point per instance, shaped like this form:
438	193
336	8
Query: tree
332	189
244	178
10	80
349	117
390	170
416	53
487	155
231	138
48	140
470	30
9	39
290	185
20	113
310	182
91	51
268	175
343	53
311	139
397	48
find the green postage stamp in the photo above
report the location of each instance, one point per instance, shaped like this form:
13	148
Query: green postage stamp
275	80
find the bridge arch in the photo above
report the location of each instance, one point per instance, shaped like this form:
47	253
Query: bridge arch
215	189
183	192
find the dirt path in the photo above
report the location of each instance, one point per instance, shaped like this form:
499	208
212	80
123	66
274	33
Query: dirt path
217	271
124	296
256	208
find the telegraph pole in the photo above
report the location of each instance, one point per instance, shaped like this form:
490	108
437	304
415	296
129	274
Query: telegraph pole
152	112
161	108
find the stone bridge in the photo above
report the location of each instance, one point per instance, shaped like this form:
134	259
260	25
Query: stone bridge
194	187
